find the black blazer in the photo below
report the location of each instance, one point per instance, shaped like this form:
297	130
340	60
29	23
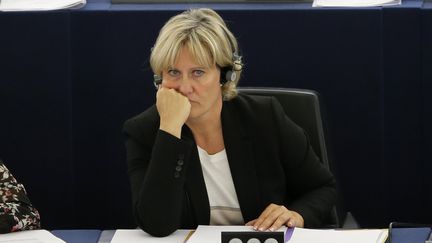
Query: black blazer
270	158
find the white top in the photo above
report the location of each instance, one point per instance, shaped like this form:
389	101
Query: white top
224	205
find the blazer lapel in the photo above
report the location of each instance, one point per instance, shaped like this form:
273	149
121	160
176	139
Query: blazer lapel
239	151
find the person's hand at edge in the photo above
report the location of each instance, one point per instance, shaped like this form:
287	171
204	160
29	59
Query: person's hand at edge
274	216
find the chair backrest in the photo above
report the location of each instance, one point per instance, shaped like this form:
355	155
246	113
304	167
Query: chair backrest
303	107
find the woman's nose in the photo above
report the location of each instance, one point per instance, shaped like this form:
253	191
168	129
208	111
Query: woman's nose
185	86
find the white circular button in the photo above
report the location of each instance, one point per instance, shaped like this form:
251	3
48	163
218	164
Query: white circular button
235	240
270	240
253	240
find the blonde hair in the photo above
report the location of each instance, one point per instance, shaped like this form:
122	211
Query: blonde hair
208	39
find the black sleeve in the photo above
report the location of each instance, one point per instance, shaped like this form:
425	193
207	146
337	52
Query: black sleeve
310	183
16	211
157	164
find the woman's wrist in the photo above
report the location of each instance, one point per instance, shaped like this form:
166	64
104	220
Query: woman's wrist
173	130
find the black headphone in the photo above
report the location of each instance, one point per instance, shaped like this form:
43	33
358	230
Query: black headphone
229	73
157	80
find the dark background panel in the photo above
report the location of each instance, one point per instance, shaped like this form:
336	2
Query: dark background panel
35	113
109	61
402	118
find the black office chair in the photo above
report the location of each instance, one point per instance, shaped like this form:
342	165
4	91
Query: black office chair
303	107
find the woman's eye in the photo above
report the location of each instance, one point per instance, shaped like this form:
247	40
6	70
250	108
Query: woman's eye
198	73
173	73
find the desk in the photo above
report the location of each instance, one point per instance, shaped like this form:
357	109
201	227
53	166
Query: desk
401	235
68	80
78	236
411	235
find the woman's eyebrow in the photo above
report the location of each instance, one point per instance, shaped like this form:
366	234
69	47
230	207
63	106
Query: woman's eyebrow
191	68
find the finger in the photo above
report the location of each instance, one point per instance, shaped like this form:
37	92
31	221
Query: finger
161	92
250	223
158	93
271	218
268	209
281	220
291	223
296	220
263	216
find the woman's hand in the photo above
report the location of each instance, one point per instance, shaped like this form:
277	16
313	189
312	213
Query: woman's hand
274	216
174	109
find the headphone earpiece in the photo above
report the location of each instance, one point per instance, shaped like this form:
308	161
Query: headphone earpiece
229	73
230	76
157	80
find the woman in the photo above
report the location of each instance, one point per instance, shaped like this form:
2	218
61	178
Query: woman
16	210
207	155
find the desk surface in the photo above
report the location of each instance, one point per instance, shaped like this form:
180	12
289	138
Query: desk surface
78	236
411	235
401	235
